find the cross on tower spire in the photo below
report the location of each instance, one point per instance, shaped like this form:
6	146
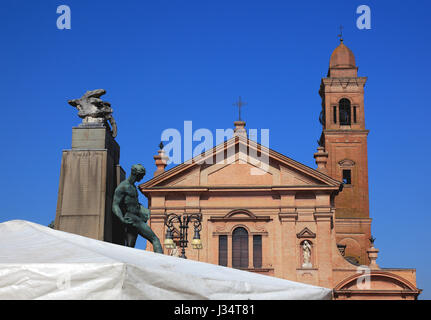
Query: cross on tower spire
341	33
239	104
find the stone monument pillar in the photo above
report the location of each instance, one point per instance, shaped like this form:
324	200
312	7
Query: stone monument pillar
90	172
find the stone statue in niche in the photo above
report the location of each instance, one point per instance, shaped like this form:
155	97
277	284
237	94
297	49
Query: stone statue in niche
306	253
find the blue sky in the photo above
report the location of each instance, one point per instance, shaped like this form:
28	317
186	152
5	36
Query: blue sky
165	62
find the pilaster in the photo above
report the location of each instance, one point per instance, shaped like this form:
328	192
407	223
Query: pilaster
324	247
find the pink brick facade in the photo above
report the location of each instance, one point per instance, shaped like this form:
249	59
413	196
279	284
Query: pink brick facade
288	204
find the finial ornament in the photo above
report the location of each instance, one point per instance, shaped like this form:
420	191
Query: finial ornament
341	34
239	104
161	145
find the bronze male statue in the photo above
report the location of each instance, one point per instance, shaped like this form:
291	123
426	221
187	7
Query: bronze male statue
131	213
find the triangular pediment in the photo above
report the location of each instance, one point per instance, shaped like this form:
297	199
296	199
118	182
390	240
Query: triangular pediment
306	233
240	162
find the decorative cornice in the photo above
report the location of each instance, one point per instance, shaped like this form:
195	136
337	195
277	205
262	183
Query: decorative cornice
334	81
389	277
233	215
239	219
271	188
414	293
344	132
258	270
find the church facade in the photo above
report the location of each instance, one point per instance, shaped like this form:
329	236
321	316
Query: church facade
288	220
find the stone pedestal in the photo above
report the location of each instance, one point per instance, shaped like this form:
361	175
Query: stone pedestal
240	129
90	172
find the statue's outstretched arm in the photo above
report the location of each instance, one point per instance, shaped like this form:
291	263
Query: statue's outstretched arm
116	205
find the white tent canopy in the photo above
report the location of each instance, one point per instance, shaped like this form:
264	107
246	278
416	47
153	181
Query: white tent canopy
37	262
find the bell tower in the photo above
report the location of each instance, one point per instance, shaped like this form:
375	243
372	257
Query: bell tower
344	138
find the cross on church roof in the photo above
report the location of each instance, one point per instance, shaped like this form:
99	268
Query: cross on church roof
239	104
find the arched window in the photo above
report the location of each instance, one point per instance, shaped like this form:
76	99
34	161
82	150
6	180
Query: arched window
240	248
345	112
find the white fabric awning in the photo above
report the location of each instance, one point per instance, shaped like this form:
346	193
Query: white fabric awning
37	262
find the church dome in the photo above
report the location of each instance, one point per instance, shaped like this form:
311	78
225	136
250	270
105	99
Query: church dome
342	57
